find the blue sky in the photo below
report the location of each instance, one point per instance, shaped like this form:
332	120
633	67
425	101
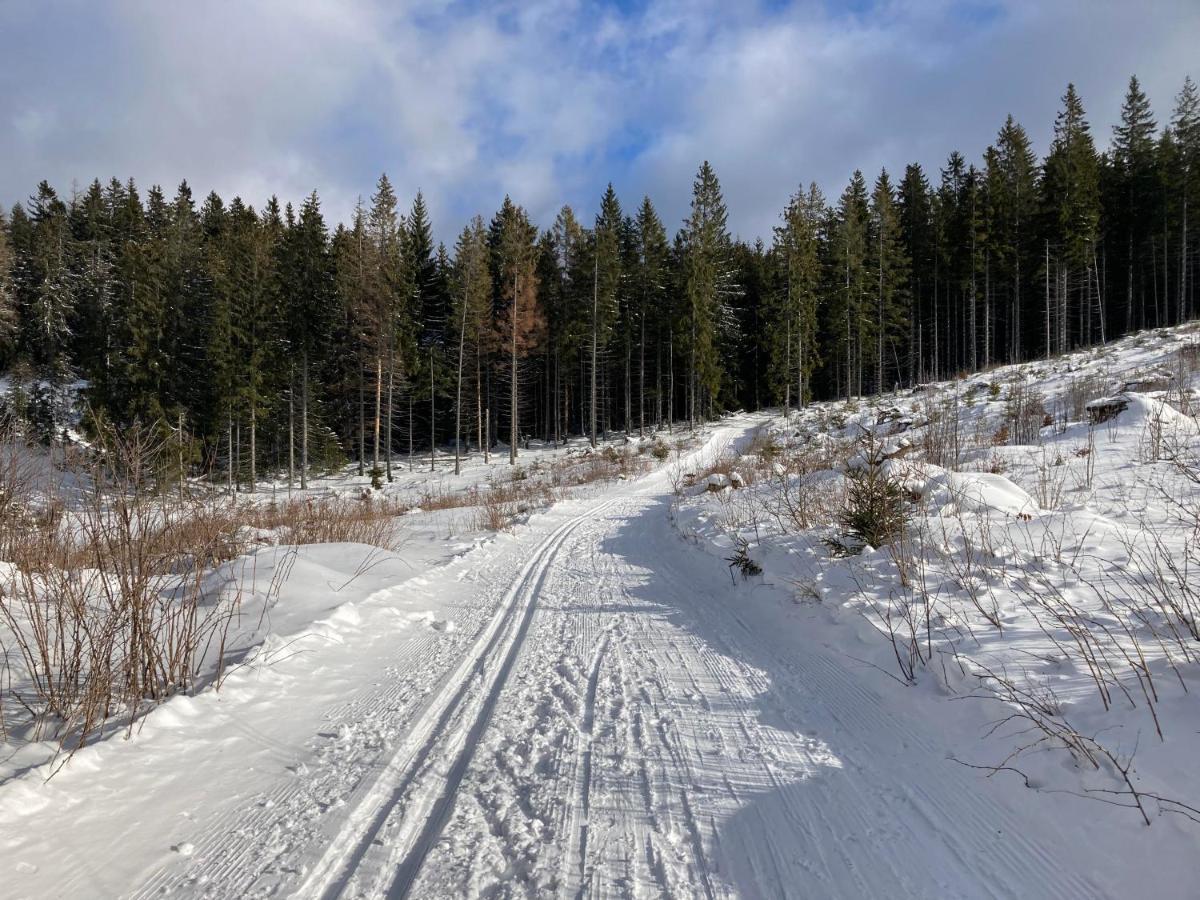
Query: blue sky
548	100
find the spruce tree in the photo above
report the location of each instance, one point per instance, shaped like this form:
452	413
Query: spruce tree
471	296
648	288
1131	207
796	250
890	267
1185	126
308	308
1071	197
708	284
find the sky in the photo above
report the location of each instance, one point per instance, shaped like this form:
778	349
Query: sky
549	100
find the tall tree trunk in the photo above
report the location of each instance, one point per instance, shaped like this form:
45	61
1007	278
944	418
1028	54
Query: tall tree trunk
787	353
292	428
1183	255
513	425
462	343
670	379
642	376
304	421
253	444
628	385
375	472
432	416
232	487
362	419
1049	342
391	435
595	338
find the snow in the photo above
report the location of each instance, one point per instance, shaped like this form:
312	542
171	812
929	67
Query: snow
588	704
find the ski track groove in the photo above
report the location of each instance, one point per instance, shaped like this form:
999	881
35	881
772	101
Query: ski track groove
619	730
516	615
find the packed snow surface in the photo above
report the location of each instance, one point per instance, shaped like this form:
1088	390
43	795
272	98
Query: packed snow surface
591	705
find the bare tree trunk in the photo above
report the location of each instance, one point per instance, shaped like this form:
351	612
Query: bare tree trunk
879	323
253	445
1183	253
642	377
432	415
237	456
628	385
1049	342
670	379
378	417
787	352
987	309
595	338
391	439
362	420
229	456
304	422
513	427
292	429
800	366
462	343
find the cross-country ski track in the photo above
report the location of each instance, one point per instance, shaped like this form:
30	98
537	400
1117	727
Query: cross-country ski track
608	716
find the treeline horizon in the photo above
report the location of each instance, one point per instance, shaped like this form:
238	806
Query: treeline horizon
260	339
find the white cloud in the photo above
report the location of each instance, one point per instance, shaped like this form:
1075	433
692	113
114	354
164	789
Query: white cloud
548	100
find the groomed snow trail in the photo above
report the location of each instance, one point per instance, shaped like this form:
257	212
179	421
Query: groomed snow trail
621	722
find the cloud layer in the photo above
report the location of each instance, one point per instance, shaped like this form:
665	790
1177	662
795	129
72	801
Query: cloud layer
548	100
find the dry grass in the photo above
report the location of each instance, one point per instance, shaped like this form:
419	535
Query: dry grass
110	604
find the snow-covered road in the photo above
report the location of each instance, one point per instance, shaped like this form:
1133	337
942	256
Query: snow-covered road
597	711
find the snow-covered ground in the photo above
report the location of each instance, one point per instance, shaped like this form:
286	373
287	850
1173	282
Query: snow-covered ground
593	703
